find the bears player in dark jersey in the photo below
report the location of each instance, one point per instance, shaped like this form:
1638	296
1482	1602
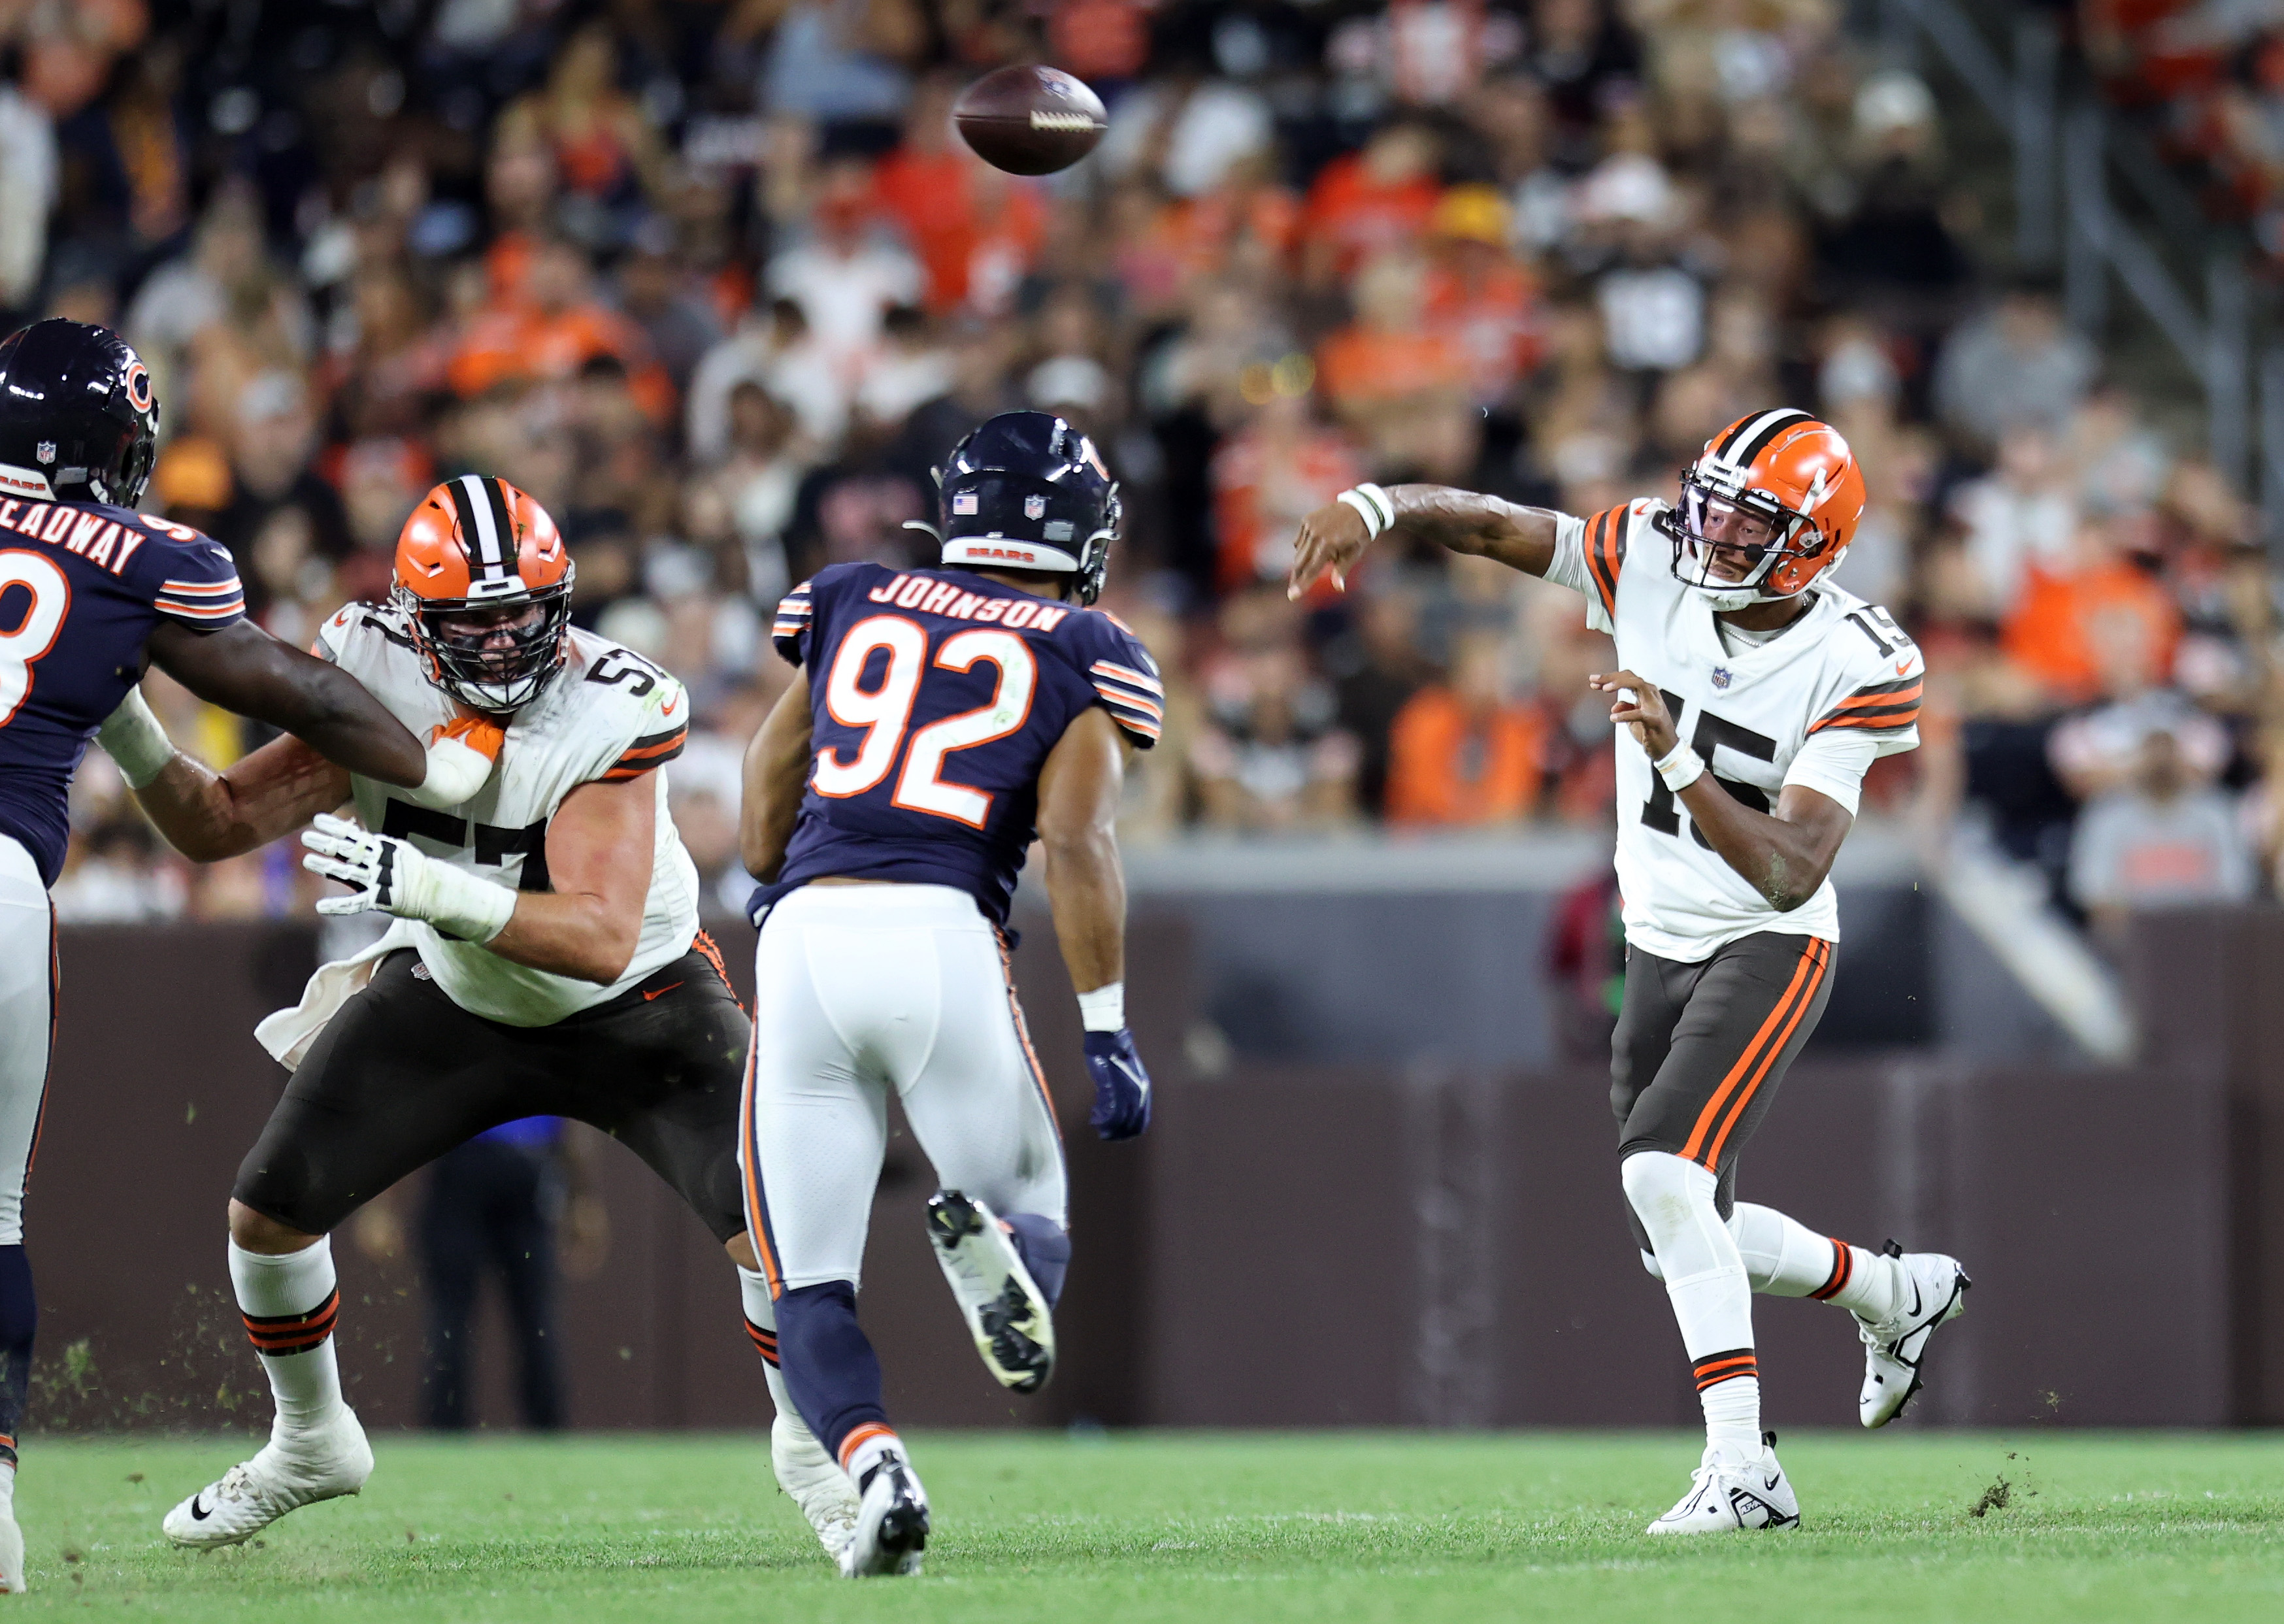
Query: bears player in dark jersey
92	594
941	720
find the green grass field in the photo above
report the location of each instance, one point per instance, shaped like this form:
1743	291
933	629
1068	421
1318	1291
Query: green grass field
1230	1527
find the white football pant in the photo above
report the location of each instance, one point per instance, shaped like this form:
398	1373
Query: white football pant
27	950
859	989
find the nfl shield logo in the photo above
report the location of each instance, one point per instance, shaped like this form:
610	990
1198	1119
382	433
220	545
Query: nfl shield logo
1035	507
1721	677
45	450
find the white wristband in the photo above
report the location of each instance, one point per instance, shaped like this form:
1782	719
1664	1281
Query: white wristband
1104	1009
1373	505
464	905
132	737
1681	767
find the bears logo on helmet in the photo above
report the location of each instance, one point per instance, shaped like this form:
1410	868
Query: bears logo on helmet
1767	509
82	396
484	582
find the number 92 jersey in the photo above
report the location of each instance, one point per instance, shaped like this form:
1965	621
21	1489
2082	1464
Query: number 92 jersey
935	696
1814	705
609	716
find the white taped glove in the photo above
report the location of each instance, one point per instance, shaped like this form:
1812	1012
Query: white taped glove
132	737
461	755
393	876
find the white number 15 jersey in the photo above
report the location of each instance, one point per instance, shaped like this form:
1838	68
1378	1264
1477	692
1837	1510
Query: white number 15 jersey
1813	705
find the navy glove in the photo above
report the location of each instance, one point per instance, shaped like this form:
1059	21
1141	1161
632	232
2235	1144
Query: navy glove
1122	1087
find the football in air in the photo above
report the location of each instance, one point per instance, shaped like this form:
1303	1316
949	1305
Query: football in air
1029	120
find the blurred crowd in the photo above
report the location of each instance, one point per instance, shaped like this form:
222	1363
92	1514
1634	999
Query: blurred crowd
717	283
2208	78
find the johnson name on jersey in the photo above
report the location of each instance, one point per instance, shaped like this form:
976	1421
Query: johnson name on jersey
936	696
1814	704
80	586
608	716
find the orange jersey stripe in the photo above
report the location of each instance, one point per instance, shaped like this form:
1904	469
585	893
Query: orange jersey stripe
757	1217
1713	1107
1801	1007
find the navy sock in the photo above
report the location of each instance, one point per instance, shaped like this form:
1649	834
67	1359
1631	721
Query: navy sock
830	1367
1045	1251
19	1317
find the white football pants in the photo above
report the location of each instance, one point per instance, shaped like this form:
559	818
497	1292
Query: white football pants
28	960
859	989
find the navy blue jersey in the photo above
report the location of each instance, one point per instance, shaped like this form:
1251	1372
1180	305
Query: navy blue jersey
935	696
80	586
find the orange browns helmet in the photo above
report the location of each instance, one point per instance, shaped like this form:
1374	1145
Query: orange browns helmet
477	545
1788	469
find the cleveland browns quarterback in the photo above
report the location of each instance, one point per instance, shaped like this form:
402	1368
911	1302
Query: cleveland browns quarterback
546	960
1755	693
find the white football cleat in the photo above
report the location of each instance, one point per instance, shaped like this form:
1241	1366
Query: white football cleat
1728	1495
817	1485
285	1474
1935	1290
12	1555
892	1523
1006	1312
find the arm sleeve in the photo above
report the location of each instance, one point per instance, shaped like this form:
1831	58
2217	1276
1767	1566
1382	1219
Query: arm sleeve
200	587
1569	568
1125	680
665	730
1834	764
1588	554
790	631
1886	713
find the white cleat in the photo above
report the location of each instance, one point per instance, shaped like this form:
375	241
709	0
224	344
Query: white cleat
1728	1495
1006	1312
11	1555
1935	1290
892	1524
817	1485
282	1476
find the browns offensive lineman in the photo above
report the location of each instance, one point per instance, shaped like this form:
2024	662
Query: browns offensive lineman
546	961
1757	692
91	593
942	719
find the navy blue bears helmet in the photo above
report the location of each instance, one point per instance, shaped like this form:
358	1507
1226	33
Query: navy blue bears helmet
78	421
1026	490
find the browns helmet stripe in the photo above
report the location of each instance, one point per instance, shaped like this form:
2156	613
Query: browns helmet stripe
484	523
1752	435
463	511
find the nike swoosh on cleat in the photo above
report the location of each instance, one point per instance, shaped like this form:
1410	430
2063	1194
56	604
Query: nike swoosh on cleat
661	992
198	1513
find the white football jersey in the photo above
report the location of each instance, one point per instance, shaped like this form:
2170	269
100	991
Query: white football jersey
609	715
1813	705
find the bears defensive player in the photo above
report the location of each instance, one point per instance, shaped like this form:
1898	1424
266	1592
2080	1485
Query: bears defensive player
1756	693
942	719
92	593
546	961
